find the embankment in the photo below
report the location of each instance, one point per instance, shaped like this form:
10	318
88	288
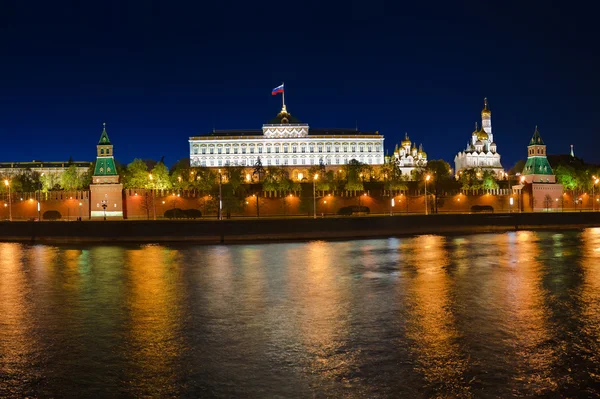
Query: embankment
229	231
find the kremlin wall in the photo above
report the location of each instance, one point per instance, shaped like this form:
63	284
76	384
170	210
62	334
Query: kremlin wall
289	144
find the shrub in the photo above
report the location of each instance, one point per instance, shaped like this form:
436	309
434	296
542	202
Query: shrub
192	213
51	215
482	208
174	213
353	209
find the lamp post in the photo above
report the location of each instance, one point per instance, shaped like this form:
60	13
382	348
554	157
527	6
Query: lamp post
152	190
220	196
596	180
426	207
80	204
392	204
7	184
315	178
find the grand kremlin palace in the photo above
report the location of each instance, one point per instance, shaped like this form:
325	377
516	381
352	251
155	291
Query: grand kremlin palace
287	142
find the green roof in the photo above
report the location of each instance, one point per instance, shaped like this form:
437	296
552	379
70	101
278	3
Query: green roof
537	166
104	140
536	139
105	166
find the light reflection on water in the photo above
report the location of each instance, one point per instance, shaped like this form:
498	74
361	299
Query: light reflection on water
513	314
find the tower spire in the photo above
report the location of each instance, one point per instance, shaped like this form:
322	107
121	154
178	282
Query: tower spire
485	104
572	152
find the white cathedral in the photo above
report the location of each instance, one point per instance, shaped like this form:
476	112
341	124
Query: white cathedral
481	152
408	157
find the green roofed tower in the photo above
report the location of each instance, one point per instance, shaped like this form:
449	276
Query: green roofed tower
105	170
537	168
106	193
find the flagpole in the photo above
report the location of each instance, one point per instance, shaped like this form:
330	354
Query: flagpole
283	95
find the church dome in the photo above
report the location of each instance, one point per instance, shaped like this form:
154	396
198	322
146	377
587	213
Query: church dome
486	110
482	135
406	141
478	142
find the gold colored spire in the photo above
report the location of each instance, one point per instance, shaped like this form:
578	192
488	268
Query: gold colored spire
486	109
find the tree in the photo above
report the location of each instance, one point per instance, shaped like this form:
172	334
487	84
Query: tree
234	177
69	180
160	177
181	176
354	176
136	175
442	180
392	175
468	180
547	202
488	180
204	180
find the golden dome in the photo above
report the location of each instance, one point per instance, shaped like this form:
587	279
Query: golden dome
482	135
406	141
486	110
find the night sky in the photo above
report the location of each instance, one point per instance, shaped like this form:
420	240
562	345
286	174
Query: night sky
159	72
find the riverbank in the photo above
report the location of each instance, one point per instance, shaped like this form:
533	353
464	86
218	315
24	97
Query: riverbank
231	231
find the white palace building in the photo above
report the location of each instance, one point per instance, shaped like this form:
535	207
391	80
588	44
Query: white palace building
285	141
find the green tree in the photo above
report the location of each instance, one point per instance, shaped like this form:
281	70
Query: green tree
567	176
160	177
204	179
69	180
354	176
469	180
488	180
235	177
136	175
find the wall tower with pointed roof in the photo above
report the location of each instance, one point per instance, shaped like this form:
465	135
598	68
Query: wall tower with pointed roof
538	182
106	193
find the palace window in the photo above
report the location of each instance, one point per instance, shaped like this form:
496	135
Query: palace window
269	162
277	150
361	148
294	149
235	150
337	148
285	161
227	150
203	163
220	163
320	148
312	148
303	149
203	151
212	150
353	148
345	149
268	150
219	150
260	150
277	161
212	163
107	151
369	148
328	148
285	149
251	150
243	150
102	151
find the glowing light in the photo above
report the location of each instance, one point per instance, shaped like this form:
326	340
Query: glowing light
300	176
6	183
316	176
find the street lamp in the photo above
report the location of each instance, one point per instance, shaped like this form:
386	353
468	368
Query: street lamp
80	204
7	184
152	190
220	196
596	180
427	178
392	204
315	178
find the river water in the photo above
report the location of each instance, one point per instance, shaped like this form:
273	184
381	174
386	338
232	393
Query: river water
490	315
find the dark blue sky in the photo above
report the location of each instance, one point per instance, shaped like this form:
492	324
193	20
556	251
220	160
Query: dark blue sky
159	72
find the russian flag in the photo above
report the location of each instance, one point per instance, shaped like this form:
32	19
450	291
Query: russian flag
277	90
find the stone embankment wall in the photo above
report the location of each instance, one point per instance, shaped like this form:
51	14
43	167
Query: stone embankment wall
229	231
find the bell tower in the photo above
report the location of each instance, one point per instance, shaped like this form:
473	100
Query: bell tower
486	119
106	193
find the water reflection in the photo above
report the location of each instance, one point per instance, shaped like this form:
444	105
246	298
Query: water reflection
493	315
154	307
431	324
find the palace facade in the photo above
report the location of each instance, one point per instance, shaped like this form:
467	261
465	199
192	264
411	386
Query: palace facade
481	151
287	142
